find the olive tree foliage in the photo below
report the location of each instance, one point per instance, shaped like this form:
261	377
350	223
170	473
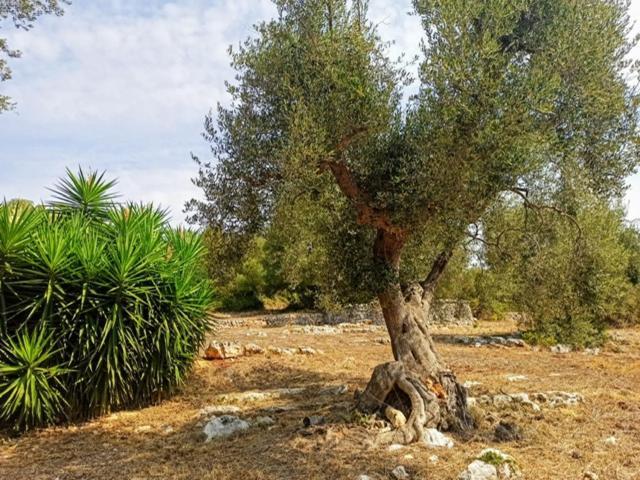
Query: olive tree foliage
20	14
521	96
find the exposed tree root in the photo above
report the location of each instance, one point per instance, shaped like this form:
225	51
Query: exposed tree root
416	383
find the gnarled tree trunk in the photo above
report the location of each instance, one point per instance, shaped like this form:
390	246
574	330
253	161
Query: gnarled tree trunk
418	383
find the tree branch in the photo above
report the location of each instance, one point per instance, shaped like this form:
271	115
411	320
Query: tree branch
437	269
524	194
366	214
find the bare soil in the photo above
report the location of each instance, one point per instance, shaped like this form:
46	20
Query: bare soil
166	441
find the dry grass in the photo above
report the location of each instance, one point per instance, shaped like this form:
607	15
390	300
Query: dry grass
558	444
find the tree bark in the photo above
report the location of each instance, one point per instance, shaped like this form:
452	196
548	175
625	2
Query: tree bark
418	382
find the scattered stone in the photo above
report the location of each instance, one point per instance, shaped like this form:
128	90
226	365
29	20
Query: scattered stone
550	399
434	458
611	441
257	396
224	426
516	378
383	341
479	470
560	348
264	421
223	350
253	349
507	432
364	477
218	410
485	341
435	438
394	447
590	476
168	430
282	351
143	429
469	384
395	417
592	351
400	473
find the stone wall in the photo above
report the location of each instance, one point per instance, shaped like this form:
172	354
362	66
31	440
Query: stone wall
444	312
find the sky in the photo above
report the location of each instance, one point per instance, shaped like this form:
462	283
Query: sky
124	85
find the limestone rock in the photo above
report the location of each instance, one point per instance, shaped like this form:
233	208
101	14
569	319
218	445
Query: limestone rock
400	473
435	438
223	351
253	349
218	410
479	470
395	417
560	348
224	426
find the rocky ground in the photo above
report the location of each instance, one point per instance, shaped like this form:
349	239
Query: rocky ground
286	394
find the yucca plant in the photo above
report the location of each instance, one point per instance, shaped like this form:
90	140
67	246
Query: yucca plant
122	293
32	386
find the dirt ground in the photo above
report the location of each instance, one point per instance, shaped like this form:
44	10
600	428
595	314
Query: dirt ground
166	441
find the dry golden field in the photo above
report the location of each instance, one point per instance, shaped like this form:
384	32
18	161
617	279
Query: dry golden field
166	441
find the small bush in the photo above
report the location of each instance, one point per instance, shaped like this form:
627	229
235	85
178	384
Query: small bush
102	306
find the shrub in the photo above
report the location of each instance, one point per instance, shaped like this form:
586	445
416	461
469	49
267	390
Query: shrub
102	306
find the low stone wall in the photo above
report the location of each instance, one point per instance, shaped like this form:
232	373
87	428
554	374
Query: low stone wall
451	312
443	313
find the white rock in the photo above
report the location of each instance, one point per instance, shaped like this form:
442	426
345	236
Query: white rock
143	429
307	351
218	410
479	470
516	378
434	458
592	351
470	384
471	402
502	400
560	348
394	447
224	426
395	417
256	396
223	350
399	473
364	477
590	476
435	438
611	441
253	349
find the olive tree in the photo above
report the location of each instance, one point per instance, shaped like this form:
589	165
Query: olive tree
515	97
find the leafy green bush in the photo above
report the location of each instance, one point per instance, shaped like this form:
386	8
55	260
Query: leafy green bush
102	306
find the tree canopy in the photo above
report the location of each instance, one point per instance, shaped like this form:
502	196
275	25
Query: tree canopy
524	98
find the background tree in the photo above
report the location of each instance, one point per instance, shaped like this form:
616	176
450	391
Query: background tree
515	95
22	14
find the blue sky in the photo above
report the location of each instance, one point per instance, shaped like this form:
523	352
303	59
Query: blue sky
123	86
